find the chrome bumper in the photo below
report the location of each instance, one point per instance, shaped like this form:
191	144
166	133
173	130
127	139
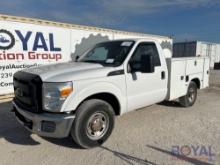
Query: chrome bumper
45	124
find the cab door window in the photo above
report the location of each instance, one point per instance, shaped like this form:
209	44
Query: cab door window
144	49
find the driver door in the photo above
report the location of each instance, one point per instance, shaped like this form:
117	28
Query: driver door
145	89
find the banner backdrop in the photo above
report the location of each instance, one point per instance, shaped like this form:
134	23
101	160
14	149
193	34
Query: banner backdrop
25	45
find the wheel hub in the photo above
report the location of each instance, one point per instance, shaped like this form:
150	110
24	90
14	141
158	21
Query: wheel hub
97	126
191	95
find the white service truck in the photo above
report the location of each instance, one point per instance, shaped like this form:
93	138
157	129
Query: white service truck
82	98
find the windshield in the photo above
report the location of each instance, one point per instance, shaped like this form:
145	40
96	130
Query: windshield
111	53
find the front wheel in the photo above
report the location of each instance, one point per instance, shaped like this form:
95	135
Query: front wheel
190	98
93	124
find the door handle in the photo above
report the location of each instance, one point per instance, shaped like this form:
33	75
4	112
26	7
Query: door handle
163	75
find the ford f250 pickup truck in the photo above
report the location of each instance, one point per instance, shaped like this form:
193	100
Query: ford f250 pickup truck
82	98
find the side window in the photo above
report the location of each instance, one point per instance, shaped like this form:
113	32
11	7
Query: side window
144	49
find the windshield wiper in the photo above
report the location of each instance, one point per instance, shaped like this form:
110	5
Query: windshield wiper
91	61
99	62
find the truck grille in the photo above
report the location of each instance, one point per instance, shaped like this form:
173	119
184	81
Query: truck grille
28	91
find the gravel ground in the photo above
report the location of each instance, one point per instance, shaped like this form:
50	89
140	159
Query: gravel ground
145	136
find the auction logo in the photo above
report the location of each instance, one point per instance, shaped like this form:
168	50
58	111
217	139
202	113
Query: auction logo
34	46
203	153
7	40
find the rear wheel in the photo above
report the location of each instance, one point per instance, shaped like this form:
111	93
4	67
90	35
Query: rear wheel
190	98
93	124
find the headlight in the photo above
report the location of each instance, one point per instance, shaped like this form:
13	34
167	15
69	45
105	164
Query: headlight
54	95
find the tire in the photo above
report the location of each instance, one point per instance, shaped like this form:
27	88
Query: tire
190	98
93	124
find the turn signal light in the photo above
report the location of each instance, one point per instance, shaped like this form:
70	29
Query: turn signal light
66	91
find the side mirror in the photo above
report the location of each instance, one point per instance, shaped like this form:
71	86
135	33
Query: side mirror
77	57
147	64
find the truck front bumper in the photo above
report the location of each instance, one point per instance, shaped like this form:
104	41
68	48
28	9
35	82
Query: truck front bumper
45	124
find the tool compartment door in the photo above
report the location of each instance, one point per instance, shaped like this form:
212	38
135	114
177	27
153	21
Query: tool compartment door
194	66
206	73
177	85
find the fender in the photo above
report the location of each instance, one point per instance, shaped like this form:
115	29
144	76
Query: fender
77	97
199	77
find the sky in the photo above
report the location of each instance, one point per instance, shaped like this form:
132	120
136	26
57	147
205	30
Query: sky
181	19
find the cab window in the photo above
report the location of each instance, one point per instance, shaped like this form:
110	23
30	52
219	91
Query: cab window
145	49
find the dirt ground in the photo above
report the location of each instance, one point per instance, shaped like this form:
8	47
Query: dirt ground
145	136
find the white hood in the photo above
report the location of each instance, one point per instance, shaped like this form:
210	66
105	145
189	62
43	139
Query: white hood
69	71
